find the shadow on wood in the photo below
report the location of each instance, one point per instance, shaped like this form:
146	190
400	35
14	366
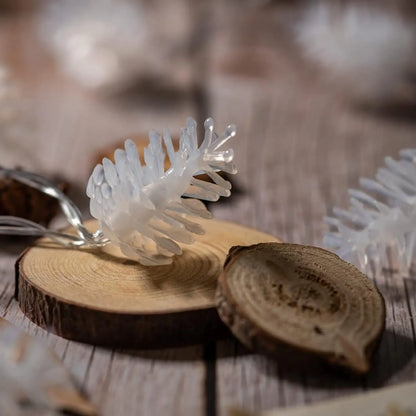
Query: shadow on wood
15	244
393	355
395	112
301	368
150	93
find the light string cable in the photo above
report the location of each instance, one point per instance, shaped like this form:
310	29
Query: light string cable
11	225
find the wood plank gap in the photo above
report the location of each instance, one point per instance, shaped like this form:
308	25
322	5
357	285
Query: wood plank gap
202	16
6	309
409	309
87	371
65	351
257	129
107	378
210	384
5	288
262	219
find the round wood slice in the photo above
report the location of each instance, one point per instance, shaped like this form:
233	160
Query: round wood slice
288	298
101	297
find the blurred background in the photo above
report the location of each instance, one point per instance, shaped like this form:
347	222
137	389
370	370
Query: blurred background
312	82
320	91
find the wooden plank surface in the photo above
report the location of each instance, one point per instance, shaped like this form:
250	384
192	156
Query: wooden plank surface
300	146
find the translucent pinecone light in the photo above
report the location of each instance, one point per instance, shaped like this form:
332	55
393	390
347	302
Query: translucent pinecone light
380	225
141	208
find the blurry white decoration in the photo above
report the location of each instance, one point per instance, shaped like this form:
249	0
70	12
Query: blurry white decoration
13	122
8	97
379	229
98	42
109	43
10	108
369	48
30	372
141	209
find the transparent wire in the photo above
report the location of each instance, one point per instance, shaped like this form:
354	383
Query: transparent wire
11	225
144	210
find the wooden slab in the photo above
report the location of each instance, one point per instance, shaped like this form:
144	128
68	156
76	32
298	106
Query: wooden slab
296	302
101	297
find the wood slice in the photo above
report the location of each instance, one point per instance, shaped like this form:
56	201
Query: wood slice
101	297
283	298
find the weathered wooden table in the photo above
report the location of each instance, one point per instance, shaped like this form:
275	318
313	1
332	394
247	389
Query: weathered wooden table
300	146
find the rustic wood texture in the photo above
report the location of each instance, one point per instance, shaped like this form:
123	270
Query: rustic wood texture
103	298
300	145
